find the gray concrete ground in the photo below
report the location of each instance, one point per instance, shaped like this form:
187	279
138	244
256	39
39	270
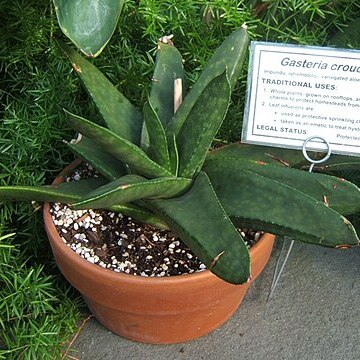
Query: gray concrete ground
313	315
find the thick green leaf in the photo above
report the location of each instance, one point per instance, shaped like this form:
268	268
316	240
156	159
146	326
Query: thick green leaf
158	147
118	147
284	157
119	114
339	194
139	213
64	192
201	222
131	188
267	154
230	55
268	205
70	192
169	66
95	155
339	163
89	24
202	124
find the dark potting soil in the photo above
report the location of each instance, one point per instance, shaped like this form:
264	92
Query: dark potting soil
122	244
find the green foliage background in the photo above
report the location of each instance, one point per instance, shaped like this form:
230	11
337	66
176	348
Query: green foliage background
38	309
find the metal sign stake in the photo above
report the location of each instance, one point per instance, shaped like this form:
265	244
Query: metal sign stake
283	258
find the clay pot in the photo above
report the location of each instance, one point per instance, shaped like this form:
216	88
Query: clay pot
154	310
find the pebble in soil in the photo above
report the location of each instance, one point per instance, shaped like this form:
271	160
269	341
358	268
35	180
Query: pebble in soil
119	243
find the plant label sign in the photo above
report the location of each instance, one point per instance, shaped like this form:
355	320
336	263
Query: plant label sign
297	92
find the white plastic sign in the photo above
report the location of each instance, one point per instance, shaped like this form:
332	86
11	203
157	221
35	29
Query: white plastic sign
297	92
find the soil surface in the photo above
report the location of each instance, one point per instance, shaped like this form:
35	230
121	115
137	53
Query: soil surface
122	244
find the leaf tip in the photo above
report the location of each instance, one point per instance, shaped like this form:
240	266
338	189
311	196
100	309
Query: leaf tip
167	39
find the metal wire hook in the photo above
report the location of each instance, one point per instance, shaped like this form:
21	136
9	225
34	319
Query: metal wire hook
314	161
280	264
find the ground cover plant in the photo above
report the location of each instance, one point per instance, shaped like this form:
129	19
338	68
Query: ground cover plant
36	83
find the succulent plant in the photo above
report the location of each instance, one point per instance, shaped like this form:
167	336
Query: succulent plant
157	167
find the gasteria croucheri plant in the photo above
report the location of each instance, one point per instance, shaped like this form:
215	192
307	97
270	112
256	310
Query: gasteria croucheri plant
157	167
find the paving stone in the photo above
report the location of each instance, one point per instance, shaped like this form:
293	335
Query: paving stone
313	315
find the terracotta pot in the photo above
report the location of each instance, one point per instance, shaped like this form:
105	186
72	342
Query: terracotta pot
154	310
